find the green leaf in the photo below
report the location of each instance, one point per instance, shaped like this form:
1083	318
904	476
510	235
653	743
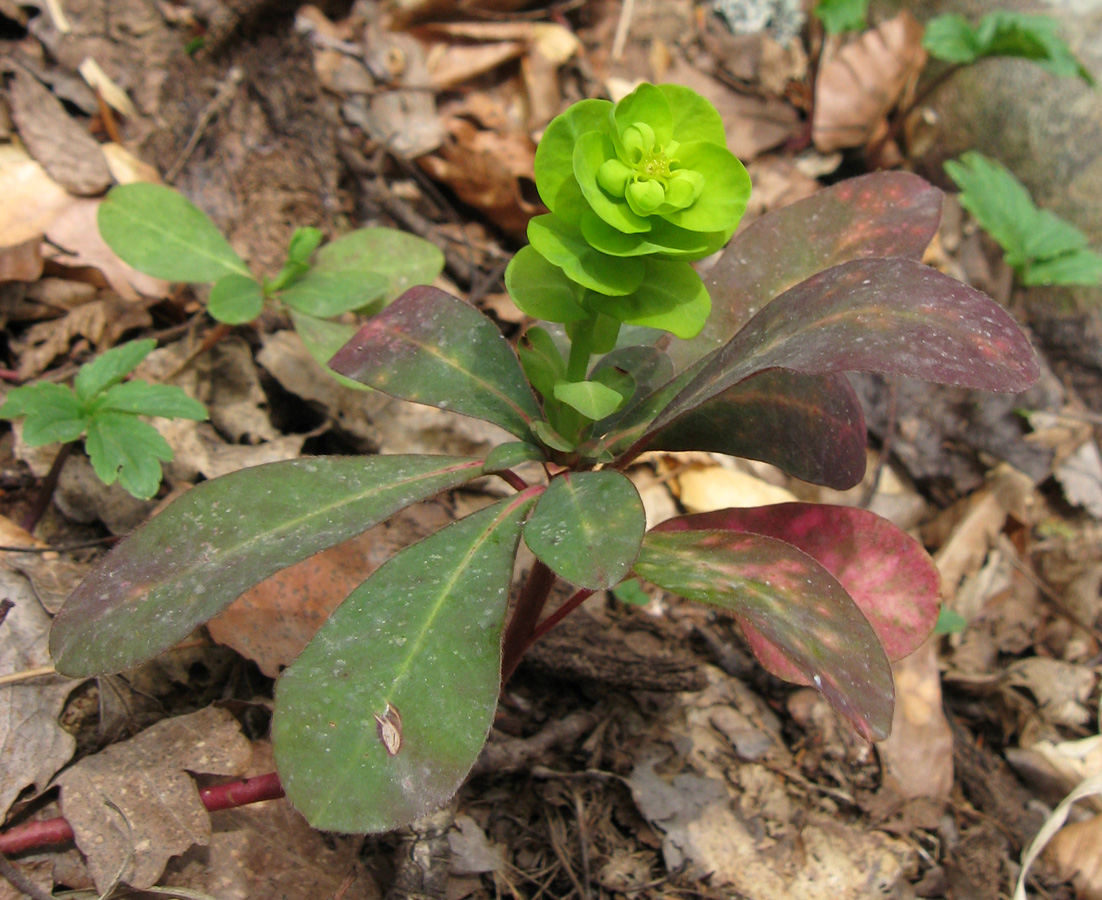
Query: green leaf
110	368
235	299
587	527
145	399
631	593
726	188
548	437
1004	33
792	601
303	244
225	535
667	240
694	117
380	719
505	456
160	232
648	104
124	448
322	339
542	290
363	270
541	360
555	152
949	621
840	16
590	153
672	297
562	245
1077	267
52	413
430	347
591	398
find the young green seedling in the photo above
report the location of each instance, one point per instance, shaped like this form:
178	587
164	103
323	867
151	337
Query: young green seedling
383	714
160	232
104	409
1041	247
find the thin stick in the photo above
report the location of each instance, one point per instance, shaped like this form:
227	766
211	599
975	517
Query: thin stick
46	492
622	28
27	674
227	90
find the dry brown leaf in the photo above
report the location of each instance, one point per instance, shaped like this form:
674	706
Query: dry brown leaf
454	64
102	322
23	262
66	151
919	753
32	199
75	239
136	797
861	83
703	489
1060	688
271	622
32	744
1074	852
490	171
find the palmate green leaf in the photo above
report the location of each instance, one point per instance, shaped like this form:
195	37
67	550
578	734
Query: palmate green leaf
893	316
883	214
840	16
380	719
810	426
587	527
430	347
793	602
235	299
1077	267
160	232
123	447
145	399
110	368
322	338
225	535
51	413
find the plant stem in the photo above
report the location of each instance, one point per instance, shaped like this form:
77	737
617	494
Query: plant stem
559	614
512	479
518	635
46	492
221	796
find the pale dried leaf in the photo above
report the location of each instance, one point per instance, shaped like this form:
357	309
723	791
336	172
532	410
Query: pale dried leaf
919	753
66	151
860	84
1089	788
1074	854
99	81
453	64
472	852
1080	475
704	489
1060	688
32	743
32	199
159	813
126	168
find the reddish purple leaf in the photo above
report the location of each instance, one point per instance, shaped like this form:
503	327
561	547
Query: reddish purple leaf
791	600
810	426
894	316
883	214
432	348
888	574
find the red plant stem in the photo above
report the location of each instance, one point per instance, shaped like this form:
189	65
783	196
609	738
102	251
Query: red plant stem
513	479
518	635
221	796
46	492
559	614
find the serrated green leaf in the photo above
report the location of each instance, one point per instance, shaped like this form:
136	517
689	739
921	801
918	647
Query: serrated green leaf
793	602
430	347
110	368
587	527
591	398
145	399
225	535
235	299
322	339
51	413
380	719
160	232
124	448
840	16
1078	267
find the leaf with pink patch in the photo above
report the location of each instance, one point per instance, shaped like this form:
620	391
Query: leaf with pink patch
432	348
882	214
790	599
888	573
810	426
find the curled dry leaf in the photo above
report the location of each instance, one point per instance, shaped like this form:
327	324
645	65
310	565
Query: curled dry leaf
860	84
135	799
32	199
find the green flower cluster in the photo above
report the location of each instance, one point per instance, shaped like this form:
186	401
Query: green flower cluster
636	190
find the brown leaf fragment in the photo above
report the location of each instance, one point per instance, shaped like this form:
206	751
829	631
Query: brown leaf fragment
66	151
860	84
1074	853
31	197
23	262
135	798
32	744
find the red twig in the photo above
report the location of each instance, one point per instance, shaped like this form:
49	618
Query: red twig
221	796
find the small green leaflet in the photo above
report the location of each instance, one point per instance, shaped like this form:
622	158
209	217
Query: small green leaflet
840	16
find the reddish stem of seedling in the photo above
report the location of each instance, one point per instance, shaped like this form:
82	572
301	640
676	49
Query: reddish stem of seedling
46	492
513	479
221	796
526	616
559	614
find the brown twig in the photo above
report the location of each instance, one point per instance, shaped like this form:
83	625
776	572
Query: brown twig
46	492
20	881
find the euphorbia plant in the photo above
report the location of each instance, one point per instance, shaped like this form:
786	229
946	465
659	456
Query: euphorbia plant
383	714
